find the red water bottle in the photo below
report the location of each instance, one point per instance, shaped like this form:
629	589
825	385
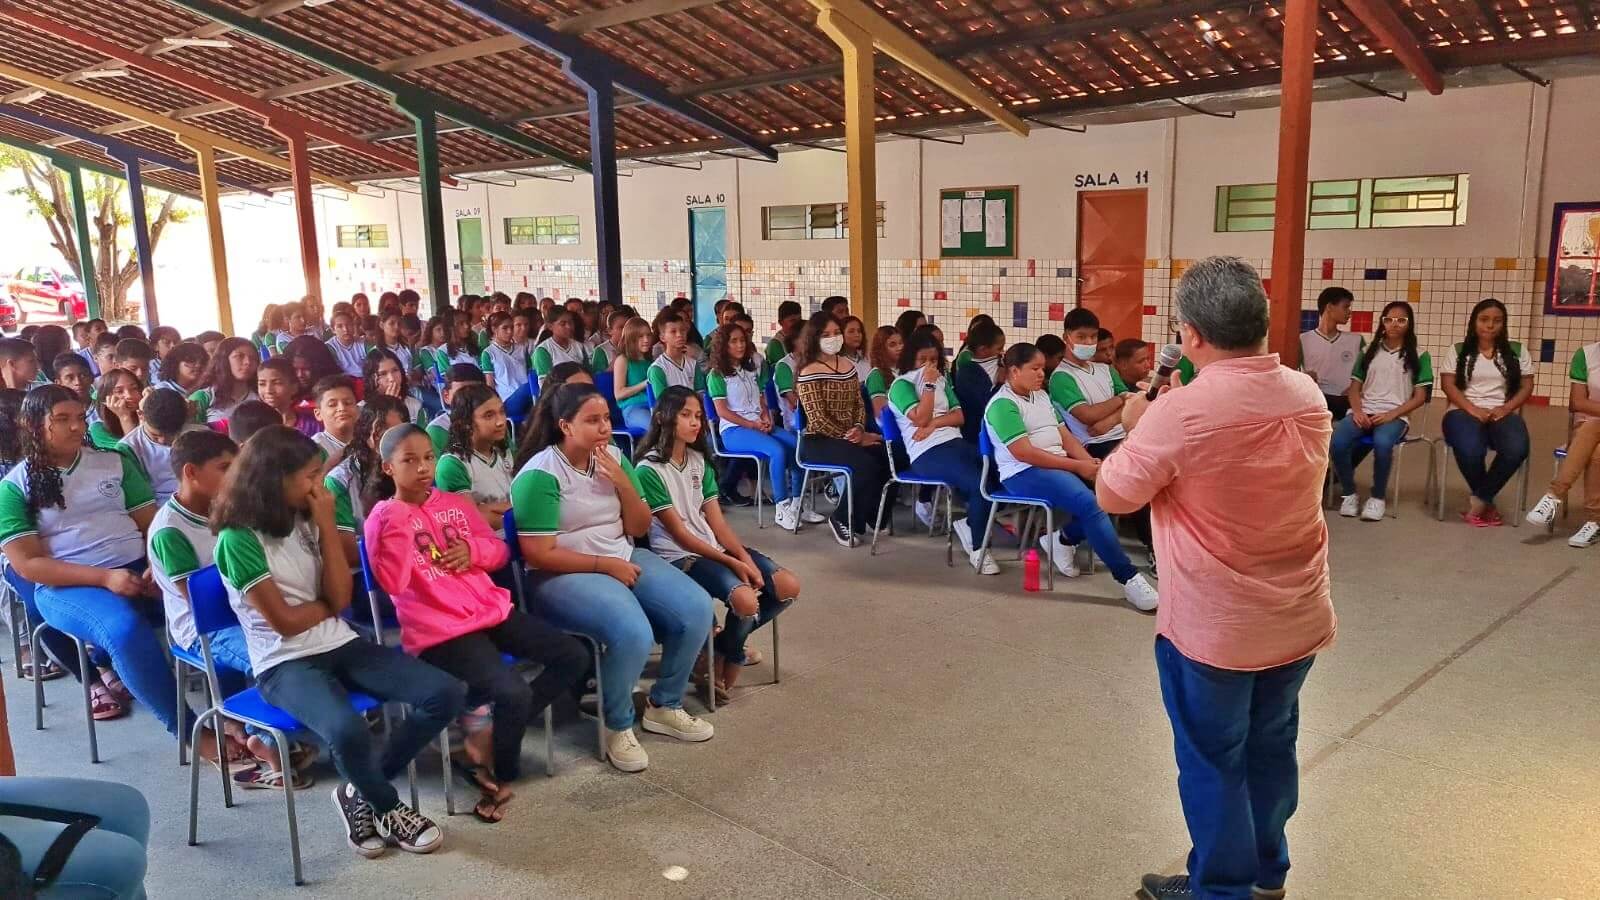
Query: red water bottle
1030	571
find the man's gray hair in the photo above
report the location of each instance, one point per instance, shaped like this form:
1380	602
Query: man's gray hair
1221	297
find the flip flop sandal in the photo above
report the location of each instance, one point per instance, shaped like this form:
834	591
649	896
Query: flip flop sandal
489	810
262	778
104	706
301	755
51	670
114	684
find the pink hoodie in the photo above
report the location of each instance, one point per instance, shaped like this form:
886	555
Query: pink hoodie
435	605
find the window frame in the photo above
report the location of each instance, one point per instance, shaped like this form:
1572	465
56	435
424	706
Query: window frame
544	231
1226	209
362	237
808	229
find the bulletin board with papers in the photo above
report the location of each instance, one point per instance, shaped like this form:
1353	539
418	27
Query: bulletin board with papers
978	223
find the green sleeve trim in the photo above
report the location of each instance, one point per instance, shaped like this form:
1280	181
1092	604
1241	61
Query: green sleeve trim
1005	420
536	502
963	358
171	551
653	489
240	559
542	362
344	514
1424	369
452	475
784	373
717	386
1359	373
903	396
1065	392
950	395
597	360
658	381
708	484
775	351
1117	382
485	361
101	437
628	469
875	385
15	519
136	492
440	438
1580	366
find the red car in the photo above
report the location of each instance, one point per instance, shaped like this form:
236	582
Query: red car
46	293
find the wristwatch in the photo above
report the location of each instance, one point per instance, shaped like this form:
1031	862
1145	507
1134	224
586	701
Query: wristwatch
930	387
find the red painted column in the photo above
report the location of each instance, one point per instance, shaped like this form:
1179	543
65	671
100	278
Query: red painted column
304	210
1294	152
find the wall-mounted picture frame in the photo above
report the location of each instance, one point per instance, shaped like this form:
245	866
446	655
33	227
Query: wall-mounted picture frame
1572	283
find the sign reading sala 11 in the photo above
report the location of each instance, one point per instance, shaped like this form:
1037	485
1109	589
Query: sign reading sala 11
1101	179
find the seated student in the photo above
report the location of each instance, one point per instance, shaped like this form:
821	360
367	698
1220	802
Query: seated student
835	424
312	361
336	407
930	420
975	372
457	377
10	434
1054	350
1132	360
183	369
392	338
163	415
265	337
279	388
1090	392
689	531
563	344
630	371
1487	378
432	554
838	307
162	339
505	365
675	366
978	344
477	462
19	363
1328	354
348	348
1105	346
384	375
1037	457
230	379
116	406
350	480
855	346
607	350
134	355
288	580
179	544
10	457
249	418
1391	379
1581	459
71	372
747	426
790	317
49	342
105	353
210	341
83	338
294	325
72	521
578	509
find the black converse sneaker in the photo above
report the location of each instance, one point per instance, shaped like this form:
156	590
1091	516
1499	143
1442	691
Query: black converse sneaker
1165	887
359	821
410	830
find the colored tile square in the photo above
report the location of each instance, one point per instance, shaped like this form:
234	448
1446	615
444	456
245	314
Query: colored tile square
1149	310
1003	270
1377	275
1032	267
1063	272
1414	291
1327	270
1505	264
1361	322
1019	315
941	295
1308	319
903	302
1547	350
1058	311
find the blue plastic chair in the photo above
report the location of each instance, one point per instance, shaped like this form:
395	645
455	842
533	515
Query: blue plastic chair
889	427
714	436
649	395
209	601
1002	497
22	588
605	383
829	470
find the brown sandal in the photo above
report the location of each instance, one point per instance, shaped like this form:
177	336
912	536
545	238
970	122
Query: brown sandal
104	705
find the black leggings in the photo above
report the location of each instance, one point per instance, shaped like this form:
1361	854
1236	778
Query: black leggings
475	659
869	471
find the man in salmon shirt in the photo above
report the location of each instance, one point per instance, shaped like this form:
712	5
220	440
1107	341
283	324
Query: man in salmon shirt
1232	467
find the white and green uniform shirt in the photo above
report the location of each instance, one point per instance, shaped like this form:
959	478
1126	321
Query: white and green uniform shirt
550	354
1487	386
904	396
1586	371
100	488
349	512
180	545
484	479
579	507
1333	360
155	461
439	432
245	558
783	375
742	390
1010	416
332	448
604	353
665	373
351	359
688	489
1386	384
509	366
207	410
408	359
1072	385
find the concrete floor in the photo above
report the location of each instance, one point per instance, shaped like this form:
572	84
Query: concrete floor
939	734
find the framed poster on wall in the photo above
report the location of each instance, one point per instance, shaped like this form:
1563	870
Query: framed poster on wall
1572	285
978	223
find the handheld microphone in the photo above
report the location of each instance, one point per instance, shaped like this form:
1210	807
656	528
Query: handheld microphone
1165	366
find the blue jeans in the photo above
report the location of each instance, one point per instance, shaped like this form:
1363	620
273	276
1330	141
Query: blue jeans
720	582
1471	440
1234	736
126	629
109	861
663	604
1346	452
1066	491
958	463
636	417
778	450
520	402
316	690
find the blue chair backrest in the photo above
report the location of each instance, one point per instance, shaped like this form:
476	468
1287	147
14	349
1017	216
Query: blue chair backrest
772	396
985	443
889	426
209	601
605	382
710	407
533	381
266	352
649	395
509	524
366	568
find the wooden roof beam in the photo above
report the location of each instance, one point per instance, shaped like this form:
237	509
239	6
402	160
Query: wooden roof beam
1382	20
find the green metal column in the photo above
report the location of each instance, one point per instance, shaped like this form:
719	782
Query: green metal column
432	198
80	216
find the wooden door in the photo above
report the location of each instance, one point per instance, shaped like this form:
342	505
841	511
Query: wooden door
1111	254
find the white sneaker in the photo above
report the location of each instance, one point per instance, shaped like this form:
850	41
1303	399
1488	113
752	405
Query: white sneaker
1062	555
1141	593
925	514
808	516
1544	512
675	723
1350	506
784	515
963	531
984	563
1586	536
1374	510
623	749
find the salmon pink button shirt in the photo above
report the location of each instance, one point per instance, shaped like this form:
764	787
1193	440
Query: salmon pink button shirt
1232	466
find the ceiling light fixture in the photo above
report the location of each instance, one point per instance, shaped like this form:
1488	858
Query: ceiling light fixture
219	43
104	73
29	97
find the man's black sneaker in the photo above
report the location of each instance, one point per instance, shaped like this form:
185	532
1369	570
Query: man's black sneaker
360	823
1165	887
410	830
841	533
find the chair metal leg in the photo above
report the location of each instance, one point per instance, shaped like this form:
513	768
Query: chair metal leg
1050	532
1439	476
988	529
88	701
1395	480
877	524
449	789
194	780
288	802
758	491
178	672
711	669
19	623
774	627
549	744
1522	493
36	649
599	704
949	530
227	777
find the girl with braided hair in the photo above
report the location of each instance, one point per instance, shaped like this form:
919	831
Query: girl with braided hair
478	455
1489	378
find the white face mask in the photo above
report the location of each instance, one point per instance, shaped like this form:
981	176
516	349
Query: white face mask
1084	352
832	345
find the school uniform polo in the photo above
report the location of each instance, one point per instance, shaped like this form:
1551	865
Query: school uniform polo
687	489
665	373
604	354
775	351
439	432
783	374
155	461
1010	415
245	558
863	367
1333	359
345	484
1385	384
351	357
508	365
878	383
1586	371
486	479
1072	385
331	447
579	507
904	396
1487	386
742	390
550	354
207	409
100	488
405	355
180	544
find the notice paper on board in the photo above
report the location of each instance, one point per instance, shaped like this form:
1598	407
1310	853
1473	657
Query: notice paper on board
950	224
994	223
972	214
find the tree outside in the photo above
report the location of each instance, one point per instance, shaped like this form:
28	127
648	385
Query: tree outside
48	193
